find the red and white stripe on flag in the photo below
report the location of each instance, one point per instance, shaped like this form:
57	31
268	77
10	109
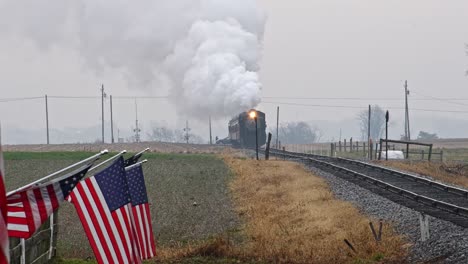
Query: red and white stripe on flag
141	211
4	242
104	209
144	230
28	209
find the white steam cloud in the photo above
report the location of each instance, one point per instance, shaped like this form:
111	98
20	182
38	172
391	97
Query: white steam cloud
206	52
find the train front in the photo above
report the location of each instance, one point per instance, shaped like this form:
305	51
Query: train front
248	130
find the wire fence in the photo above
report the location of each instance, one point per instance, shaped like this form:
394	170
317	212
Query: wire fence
360	150
38	249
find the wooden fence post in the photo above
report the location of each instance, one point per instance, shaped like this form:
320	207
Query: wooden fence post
380	151
376	149
51	245
339	145
441	156
407	150
23	251
344	144
351	145
424	226
430	153
267	150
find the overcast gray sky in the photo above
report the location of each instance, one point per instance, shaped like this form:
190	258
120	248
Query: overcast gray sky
325	49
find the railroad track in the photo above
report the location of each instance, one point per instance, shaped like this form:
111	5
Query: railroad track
421	194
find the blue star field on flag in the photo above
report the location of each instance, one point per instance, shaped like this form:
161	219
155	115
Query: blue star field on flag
69	181
136	184
113	184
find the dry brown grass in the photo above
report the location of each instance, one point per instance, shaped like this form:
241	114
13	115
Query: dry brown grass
444	172
291	216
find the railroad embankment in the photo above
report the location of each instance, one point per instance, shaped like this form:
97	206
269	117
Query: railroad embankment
291	216
451	173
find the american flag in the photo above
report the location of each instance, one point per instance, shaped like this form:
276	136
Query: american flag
132	160
28	209
4	242
141	212
103	205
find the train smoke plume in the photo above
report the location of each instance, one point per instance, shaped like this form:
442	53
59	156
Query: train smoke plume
205	52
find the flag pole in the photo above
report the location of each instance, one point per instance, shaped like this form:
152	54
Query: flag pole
107	160
60	171
136	164
141	152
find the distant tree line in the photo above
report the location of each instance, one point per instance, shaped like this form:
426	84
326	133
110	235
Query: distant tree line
162	133
297	133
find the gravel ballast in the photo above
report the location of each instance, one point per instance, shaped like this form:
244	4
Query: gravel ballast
448	243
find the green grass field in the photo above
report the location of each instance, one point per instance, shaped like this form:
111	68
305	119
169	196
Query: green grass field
174	183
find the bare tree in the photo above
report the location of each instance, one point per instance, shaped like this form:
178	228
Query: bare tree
162	134
377	122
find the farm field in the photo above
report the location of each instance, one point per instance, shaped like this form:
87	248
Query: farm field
174	182
160	147
246	211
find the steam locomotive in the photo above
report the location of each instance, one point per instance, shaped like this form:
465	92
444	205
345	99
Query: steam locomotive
242	129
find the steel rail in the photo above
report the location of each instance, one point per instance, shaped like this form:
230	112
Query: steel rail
415	178
448	207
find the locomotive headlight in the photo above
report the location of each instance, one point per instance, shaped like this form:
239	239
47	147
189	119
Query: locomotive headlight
253	114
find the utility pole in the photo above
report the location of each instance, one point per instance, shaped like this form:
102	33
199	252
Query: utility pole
47	118
112	121
211	139
102	110
277	127
407	122
187	130
137	130
256	135
369	132
387	117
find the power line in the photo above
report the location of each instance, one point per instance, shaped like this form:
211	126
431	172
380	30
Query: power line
73	97
428	98
316	105
363	107
88	97
5	100
440	99
142	97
